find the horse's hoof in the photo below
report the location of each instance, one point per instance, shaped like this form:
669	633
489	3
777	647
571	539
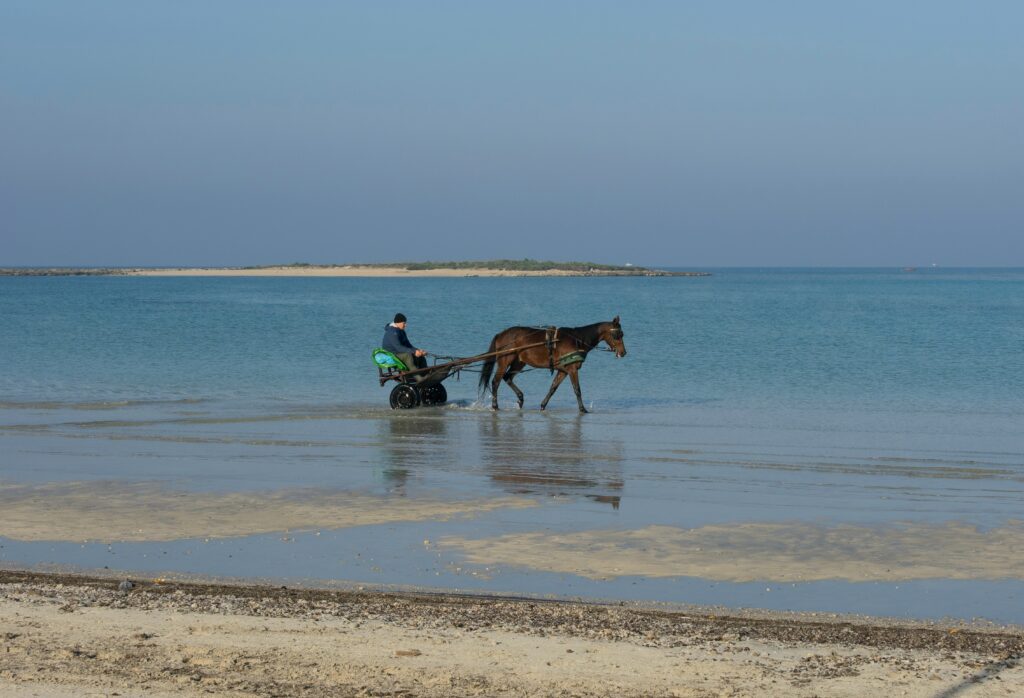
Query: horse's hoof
584	410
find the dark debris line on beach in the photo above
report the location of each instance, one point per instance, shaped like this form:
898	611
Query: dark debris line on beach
471	612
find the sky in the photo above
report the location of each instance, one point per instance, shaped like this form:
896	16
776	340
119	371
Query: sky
664	133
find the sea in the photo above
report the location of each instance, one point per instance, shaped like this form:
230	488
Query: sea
810	440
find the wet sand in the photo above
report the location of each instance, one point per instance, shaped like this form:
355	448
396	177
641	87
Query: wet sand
609	506
66	635
108	512
777	552
118	511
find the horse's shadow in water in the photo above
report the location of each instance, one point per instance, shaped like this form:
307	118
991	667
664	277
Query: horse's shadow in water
553	458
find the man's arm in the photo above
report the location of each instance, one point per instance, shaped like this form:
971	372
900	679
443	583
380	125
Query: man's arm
403	339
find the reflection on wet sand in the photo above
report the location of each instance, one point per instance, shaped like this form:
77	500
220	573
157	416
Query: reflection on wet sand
412	440
551	458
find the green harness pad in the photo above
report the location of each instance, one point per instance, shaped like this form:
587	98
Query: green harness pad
574	357
385	359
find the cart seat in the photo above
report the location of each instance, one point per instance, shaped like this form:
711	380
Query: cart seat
385	360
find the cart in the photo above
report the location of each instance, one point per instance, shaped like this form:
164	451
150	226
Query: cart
425	386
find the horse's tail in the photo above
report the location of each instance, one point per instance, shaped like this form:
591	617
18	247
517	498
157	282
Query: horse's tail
488	366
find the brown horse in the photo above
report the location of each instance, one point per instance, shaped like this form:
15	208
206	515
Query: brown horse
563	350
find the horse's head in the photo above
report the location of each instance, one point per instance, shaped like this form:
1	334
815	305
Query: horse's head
611	333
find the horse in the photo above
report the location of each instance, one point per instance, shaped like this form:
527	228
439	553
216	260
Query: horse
563	350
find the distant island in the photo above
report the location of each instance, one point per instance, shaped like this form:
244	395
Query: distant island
494	267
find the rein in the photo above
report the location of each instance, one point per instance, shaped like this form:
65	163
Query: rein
549	338
595	347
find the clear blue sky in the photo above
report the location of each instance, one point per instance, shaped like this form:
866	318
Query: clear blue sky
673	133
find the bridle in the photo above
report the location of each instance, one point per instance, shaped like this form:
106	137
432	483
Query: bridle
614	333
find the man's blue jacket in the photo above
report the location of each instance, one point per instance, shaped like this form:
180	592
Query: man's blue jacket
396	341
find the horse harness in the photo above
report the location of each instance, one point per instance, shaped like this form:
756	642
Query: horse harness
551	338
579	355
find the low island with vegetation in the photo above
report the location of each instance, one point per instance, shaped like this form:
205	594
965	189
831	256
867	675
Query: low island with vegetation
494	267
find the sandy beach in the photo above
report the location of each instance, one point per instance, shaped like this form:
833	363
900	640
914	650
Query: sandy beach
72	636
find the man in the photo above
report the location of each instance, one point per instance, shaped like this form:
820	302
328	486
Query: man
396	341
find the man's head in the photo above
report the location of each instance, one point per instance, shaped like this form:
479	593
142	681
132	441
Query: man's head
399	321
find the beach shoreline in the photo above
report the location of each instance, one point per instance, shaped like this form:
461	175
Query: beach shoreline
70	634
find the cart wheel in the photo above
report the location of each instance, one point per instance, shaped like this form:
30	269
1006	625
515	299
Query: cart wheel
435	395
404	397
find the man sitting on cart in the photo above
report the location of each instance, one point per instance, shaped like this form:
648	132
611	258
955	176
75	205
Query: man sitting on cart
396	341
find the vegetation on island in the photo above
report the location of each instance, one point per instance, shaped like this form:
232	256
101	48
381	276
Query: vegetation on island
525	264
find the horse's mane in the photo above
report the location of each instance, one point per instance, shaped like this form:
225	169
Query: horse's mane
592	326
587	335
588	331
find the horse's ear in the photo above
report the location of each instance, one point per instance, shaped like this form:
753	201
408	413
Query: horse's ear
616	320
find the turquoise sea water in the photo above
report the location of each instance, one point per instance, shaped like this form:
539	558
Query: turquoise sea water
830	397
947	340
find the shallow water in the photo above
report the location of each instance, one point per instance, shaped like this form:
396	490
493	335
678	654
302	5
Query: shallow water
793	439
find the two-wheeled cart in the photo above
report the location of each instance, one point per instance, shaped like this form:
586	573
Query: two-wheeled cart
425	386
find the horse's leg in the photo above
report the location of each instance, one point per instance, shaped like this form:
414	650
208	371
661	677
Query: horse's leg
513	370
499	373
554	386
574	376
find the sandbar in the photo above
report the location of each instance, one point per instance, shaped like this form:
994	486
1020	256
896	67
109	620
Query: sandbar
777	552
346	270
367	271
107	512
